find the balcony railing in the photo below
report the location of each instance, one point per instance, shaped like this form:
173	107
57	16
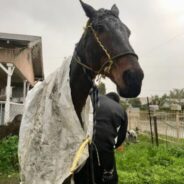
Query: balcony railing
15	109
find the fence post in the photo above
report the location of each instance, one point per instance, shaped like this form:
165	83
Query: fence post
129	119
177	126
149	113
156	130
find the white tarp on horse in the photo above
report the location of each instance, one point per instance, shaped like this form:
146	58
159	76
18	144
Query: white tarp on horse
50	132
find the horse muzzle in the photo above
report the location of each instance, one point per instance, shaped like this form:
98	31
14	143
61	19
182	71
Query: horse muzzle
132	83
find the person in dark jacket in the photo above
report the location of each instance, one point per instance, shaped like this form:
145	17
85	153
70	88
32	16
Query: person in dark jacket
110	132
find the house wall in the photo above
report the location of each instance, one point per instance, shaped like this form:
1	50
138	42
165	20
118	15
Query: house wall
2	105
17	94
21	58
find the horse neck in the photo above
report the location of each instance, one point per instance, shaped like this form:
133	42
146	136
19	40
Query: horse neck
80	87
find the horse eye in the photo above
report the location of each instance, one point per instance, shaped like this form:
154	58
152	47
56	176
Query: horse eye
99	28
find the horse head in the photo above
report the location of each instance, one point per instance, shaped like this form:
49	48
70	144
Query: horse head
105	49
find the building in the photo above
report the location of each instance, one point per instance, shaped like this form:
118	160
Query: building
21	66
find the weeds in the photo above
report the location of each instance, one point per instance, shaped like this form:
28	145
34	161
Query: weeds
140	163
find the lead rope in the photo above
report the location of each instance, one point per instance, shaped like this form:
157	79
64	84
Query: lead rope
94	97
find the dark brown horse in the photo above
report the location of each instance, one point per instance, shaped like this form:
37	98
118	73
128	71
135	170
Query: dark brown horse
103	49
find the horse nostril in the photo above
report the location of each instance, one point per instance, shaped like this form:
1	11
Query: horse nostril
133	77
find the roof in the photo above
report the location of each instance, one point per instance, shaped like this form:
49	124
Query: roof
16	40
26	41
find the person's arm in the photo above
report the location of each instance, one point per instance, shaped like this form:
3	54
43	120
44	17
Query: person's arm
122	130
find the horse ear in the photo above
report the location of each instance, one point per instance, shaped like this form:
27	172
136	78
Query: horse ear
89	10
115	10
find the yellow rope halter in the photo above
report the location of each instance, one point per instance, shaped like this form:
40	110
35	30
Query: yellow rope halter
110	60
107	69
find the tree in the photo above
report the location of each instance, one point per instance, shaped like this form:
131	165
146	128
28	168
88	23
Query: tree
124	104
177	94
135	102
101	88
155	100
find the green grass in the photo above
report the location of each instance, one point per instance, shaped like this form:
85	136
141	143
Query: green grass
139	163
142	163
9	179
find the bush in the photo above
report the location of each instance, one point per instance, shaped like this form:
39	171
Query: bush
8	155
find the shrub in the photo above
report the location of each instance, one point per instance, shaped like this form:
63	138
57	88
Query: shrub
8	155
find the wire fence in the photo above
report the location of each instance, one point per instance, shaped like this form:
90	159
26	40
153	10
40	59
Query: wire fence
170	125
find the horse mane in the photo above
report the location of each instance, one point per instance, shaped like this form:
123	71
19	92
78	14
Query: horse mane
103	13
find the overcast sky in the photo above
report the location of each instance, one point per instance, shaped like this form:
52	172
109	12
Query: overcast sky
157	34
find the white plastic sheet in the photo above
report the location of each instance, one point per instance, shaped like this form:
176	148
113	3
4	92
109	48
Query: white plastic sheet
50	132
